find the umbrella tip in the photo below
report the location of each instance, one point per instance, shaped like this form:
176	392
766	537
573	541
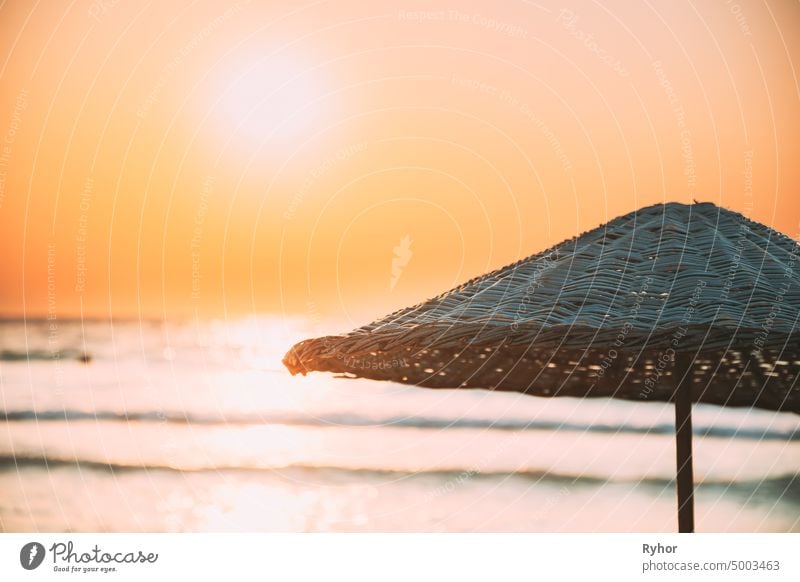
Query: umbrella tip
293	363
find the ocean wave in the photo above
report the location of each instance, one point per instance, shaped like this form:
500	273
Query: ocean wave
788	484
11	462
44	355
351	420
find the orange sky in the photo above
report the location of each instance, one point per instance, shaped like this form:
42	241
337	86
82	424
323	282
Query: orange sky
176	158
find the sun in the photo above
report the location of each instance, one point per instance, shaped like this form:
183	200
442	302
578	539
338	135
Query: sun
271	100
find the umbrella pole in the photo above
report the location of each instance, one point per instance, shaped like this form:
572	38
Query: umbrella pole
683	440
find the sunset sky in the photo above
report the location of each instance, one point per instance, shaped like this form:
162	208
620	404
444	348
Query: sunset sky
339	160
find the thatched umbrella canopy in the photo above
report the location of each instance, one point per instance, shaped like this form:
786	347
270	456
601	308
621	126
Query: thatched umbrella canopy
672	302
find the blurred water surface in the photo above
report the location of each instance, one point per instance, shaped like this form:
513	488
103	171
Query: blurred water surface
197	427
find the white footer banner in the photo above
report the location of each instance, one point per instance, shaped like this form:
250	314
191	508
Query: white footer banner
401	557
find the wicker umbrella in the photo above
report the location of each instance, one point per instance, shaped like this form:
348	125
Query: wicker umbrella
672	302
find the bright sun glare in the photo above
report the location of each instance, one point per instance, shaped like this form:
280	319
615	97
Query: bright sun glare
270	100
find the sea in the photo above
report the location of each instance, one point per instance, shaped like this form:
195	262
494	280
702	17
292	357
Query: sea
195	426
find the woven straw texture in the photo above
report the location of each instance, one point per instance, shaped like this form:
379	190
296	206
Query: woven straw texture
605	314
